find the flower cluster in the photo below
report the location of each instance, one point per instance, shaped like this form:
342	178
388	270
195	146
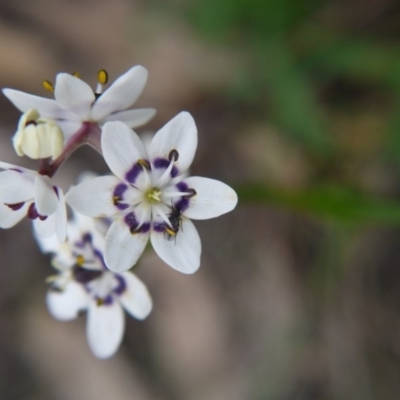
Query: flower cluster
149	195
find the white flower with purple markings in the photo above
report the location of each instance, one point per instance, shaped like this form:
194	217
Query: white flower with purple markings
77	107
150	195
24	192
83	283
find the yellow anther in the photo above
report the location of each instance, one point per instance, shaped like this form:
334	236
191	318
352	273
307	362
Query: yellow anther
76	74
48	86
80	260
116	200
99	302
102	76
170	231
154	195
143	163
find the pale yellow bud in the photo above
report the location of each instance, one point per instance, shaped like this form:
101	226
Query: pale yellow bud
38	137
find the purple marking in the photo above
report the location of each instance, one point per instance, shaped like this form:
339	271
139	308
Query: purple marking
55	188
159	227
164	163
99	255
120	189
16	170
33	214
121	285
182	186
15	206
85	276
122	206
182	204
130	220
133	173
86	238
108	300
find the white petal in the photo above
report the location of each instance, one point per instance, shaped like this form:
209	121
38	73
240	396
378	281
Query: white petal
122	148
45	228
48	245
123	248
133	118
94	197
213	198
121	94
61	217
183	252
46	199
69	128
105	328
136	299
9	218
15	187
179	134
67	304
74	95
47	108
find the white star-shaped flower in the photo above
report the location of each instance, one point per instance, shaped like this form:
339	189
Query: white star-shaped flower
151	196
76	103
84	284
24	192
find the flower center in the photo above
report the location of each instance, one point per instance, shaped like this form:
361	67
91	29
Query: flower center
153	195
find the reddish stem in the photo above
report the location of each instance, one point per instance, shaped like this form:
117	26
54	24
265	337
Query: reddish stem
88	133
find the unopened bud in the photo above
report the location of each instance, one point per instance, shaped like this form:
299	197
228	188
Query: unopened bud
38	137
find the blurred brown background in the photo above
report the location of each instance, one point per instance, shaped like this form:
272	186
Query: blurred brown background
298	295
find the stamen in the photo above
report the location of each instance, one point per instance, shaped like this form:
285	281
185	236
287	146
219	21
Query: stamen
173	155
116	200
102	77
153	195
48	86
80	260
165	177
192	193
143	163
161	213
76	74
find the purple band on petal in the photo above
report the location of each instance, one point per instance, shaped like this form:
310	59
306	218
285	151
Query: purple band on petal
33	214
122	206
182	204
16	170
86	238
130	220
83	275
120	189
133	224
159	227
108	300
133	173
15	206
121	287
100	256
55	188
164	163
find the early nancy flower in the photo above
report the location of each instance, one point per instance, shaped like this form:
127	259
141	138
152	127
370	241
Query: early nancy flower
151	197
37	137
24	192
84	284
76	103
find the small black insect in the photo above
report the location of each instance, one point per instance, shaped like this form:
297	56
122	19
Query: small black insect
175	219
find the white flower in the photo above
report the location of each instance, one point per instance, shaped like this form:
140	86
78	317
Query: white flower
24	192
76	103
151	197
38	137
84	284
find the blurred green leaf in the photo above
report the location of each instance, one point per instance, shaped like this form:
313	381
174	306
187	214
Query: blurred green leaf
292	99
334	203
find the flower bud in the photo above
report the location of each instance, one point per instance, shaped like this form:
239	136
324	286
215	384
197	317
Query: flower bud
38	137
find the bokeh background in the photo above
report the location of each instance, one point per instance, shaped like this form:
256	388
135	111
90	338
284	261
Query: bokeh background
297	105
